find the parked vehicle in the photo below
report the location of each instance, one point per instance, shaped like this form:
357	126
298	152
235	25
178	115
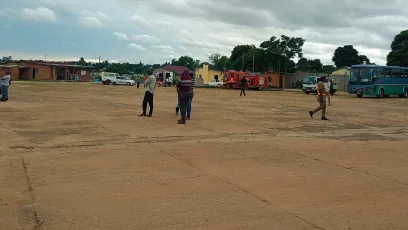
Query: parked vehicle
310	84
232	80
120	80
107	78
378	81
214	84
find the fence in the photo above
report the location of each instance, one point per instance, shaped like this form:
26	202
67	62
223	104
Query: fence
292	79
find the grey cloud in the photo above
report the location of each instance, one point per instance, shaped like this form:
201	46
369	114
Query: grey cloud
365	23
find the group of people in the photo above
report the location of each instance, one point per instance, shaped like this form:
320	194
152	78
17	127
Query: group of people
5	84
185	92
324	89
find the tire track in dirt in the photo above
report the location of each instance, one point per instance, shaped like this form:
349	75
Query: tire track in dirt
30	189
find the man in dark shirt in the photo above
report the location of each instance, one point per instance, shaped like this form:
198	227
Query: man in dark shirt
243	85
183	90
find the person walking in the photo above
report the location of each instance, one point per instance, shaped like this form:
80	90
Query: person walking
5	83
150	85
321	98
138	81
191	75
243	85
183	90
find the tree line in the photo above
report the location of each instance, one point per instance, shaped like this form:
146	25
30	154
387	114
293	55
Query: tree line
278	54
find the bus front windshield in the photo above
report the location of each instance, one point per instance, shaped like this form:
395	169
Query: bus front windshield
309	80
361	76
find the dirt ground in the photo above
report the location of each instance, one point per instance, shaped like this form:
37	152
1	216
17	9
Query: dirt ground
76	156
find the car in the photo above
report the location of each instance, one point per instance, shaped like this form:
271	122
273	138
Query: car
214	84
120	80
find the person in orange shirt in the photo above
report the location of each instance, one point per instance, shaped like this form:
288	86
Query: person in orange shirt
321	98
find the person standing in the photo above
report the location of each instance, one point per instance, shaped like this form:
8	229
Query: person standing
321	98
144	81
331	87
191	75
150	85
327	87
5	83
138	81
183	90
243	85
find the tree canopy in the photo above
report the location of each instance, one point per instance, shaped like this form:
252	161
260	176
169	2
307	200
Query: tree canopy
348	56
186	61
398	55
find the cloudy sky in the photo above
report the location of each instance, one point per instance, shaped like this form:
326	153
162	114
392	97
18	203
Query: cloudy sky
155	31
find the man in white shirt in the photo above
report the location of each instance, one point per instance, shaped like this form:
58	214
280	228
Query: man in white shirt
5	83
327	84
150	85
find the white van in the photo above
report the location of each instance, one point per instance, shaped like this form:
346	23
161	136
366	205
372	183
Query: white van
107	77
310	84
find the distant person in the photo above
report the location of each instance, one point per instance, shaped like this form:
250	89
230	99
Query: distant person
191	75
138	81
150	85
331	87
144	81
327	88
183	91
5	83
243	85
321	98
100	75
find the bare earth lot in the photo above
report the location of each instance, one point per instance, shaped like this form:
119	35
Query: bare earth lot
76	156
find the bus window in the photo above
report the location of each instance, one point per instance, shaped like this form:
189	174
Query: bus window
376	74
354	74
386	72
365	75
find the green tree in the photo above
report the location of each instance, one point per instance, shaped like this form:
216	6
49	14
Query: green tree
239	57
273	52
328	69
292	47
9	58
302	65
363	59
346	56
219	62
284	48
398	56
82	61
315	65
186	61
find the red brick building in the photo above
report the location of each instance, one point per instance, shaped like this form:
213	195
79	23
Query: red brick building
40	70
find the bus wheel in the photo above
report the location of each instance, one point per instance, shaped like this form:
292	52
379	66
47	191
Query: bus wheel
381	95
